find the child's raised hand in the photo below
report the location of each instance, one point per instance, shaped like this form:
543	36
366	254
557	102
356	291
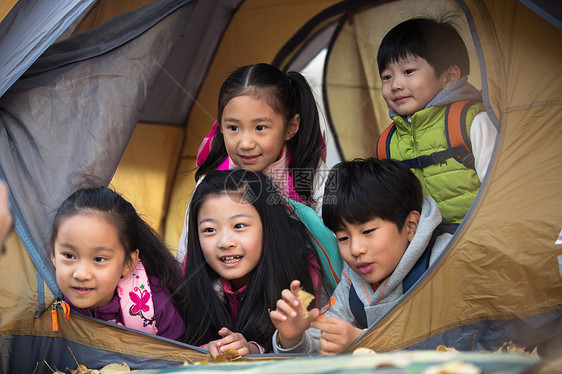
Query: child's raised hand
231	340
289	317
336	334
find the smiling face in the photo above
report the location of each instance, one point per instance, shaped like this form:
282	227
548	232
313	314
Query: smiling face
254	134
409	84
230	234
89	260
374	248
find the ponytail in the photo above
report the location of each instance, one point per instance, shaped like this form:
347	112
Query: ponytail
305	147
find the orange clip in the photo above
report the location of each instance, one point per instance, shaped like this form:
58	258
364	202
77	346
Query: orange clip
54	319
327	307
66	309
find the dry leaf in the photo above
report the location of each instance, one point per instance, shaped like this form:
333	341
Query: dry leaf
454	367
511	348
230	355
82	369
364	351
114	368
442	348
305	298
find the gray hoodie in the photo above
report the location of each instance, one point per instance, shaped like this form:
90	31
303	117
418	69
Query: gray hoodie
376	305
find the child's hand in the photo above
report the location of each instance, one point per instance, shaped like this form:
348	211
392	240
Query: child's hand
289	318
231	340
336	335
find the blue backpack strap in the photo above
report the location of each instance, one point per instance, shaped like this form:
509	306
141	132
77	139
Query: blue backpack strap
423	262
420	267
357	308
383	143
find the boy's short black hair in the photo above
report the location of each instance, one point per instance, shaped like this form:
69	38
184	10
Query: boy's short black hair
439	43
364	189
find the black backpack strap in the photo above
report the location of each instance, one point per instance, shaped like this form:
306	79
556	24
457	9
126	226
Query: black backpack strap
357	308
436	158
446	227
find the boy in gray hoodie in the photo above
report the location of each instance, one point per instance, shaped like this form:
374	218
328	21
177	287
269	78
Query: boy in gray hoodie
388	235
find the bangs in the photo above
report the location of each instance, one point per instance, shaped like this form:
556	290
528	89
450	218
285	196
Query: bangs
345	206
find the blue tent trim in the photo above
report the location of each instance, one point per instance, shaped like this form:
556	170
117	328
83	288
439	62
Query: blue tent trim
551	15
43	272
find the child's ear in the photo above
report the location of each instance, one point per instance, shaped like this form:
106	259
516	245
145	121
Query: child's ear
53	258
131	263
451	75
412	222
293	127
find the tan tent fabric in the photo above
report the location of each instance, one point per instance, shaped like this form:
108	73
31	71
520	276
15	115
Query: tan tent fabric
6	6
19	287
146	171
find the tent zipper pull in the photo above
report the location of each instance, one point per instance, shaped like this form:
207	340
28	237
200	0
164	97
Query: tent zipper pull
66	309
54	316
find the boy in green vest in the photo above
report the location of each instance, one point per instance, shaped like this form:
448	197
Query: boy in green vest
424	66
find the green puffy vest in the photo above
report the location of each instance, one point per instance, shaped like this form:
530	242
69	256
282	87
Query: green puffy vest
452	185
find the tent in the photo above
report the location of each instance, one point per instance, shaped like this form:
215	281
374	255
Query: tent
123	93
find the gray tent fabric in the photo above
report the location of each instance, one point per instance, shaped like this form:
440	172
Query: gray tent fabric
69	118
65	125
177	87
28	30
102	39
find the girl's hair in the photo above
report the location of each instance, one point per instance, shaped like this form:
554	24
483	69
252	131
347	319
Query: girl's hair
288	94
437	41
133	232
364	189
284	257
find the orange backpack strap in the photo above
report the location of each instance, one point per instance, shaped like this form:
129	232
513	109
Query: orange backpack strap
383	144
456	132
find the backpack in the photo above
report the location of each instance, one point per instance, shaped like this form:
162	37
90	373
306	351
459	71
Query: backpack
422	264
458	140
323	240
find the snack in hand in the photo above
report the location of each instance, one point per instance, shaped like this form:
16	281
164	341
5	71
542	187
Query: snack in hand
305	298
